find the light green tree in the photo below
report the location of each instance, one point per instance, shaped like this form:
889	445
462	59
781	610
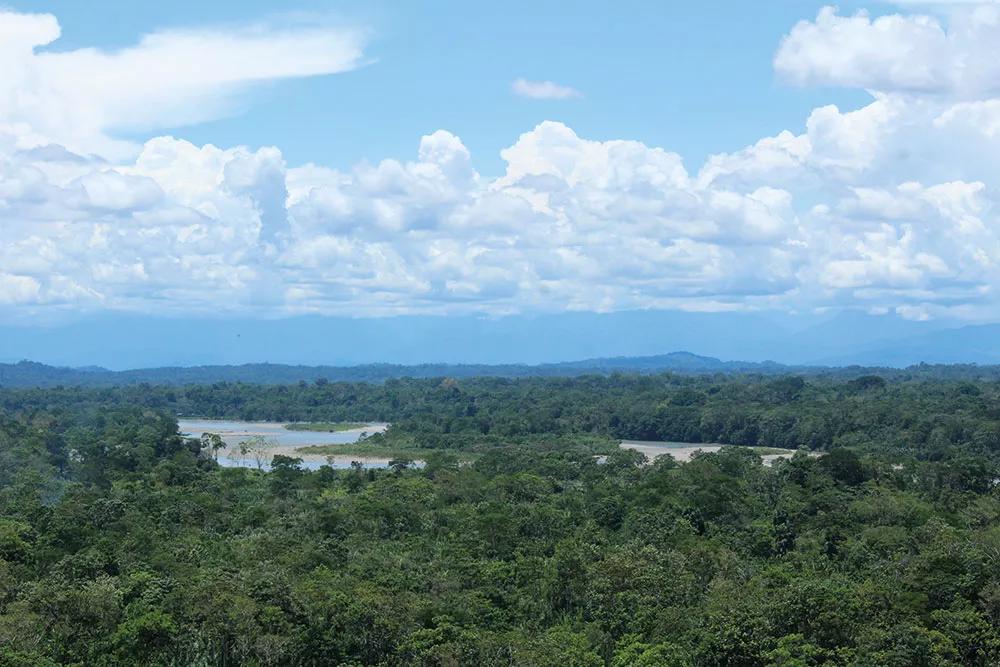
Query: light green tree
212	442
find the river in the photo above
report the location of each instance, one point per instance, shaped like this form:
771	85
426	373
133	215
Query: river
285	442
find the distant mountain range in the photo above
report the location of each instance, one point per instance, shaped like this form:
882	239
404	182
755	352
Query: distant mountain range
507	345
27	374
971	344
32	374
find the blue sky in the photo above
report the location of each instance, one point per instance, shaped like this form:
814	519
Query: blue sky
379	159
695	78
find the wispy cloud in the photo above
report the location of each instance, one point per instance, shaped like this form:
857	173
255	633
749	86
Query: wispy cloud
82	98
543	90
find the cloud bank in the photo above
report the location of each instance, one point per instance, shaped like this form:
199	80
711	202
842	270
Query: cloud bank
892	207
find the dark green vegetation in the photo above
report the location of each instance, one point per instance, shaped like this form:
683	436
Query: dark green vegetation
26	374
32	374
123	544
325	427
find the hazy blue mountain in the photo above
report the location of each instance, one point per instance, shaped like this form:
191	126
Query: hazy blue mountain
129	341
34	374
972	344
132	341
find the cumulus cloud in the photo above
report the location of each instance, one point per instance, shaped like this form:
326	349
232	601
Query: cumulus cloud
543	90
892	207
896	53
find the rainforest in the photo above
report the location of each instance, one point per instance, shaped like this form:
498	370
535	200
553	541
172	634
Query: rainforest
527	537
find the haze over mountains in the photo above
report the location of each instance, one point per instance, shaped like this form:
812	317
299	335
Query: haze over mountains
33	374
556	342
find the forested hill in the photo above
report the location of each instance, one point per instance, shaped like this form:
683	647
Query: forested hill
32	374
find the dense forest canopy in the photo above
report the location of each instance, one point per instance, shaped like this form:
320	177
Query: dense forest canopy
785	411
123	543
27	374
33	374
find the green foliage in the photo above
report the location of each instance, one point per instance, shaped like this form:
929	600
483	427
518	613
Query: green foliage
122	543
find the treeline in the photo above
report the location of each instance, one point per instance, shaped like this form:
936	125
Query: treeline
28	374
122	543
915	415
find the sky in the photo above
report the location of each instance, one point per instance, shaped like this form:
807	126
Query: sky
684	76
375	159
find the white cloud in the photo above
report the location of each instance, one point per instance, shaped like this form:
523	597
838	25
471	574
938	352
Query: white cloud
80	98
893	207
543	90
896	53
16	289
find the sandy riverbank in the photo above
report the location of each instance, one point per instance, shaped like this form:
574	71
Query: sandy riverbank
284	442
684	452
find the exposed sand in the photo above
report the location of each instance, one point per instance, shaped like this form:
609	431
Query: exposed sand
345	460
680	451
230	429
340	460
684	452
286	442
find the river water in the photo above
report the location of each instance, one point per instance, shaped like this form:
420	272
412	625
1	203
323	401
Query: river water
285	442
